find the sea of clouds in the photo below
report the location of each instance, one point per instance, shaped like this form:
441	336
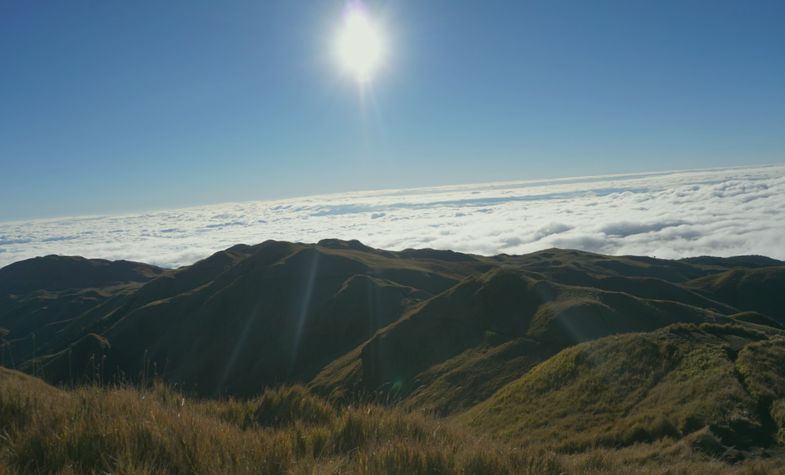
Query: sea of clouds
676	214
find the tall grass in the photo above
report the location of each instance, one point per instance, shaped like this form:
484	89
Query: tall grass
123	430
286	430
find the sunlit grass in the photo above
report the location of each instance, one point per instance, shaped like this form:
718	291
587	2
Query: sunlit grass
124	430
286	430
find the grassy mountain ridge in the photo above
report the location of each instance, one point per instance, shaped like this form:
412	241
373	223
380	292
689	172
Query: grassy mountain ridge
71	272
46	303
560	351
758	289
277	312
626	389
498	315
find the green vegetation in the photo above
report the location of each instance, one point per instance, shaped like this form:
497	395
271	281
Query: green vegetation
340	358
718	388
285	430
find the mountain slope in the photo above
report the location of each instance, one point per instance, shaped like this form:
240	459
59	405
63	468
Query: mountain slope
718	383
252	316
437	329
55	273
607	364
759	289
47	302
488	330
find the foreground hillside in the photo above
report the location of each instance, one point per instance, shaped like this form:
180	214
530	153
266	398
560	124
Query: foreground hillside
560	360
721	388
286	430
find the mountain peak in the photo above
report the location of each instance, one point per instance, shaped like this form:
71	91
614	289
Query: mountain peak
56	272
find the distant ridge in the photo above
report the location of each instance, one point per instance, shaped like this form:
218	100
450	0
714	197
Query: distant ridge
71	272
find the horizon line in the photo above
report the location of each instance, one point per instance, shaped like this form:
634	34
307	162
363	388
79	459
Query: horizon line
401	190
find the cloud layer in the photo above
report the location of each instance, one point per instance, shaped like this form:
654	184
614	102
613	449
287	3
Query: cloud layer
670	215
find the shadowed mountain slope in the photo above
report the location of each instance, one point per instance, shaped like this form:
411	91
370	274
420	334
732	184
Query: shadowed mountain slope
486	331
280	312
46	303
436	329
761	289
66	272
246	317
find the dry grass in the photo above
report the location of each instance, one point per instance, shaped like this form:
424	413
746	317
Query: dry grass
124	430
287	430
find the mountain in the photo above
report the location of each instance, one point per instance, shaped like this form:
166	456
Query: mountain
56	273
489	329
757	289
559	349
722	387
47	303
350	319
244	318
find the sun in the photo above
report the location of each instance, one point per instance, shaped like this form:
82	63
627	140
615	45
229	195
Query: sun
359	46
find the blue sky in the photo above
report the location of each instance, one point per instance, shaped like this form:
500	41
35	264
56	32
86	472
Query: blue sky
109	106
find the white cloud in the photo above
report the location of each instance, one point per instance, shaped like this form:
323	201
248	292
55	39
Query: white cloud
716	212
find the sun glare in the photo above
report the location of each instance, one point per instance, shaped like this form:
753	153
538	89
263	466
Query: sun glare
359	46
